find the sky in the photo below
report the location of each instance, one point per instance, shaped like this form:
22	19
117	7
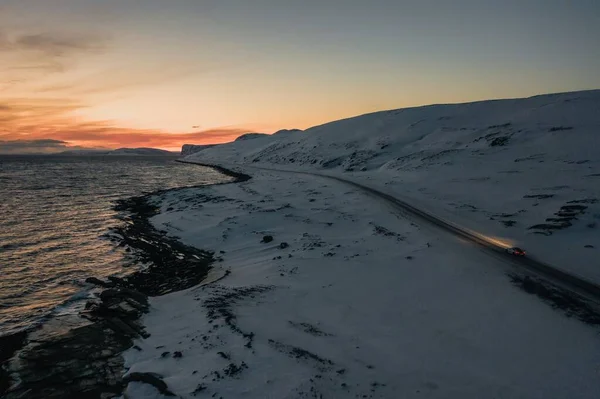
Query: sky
155	73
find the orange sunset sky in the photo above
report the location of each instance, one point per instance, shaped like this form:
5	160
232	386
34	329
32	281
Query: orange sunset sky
160	74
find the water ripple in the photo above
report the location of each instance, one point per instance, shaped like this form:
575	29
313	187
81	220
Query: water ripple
55	212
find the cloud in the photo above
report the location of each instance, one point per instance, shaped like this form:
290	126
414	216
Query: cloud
44	146
29	56
57	45
39	101
51	119
99	134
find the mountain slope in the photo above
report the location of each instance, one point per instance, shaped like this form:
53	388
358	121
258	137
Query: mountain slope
524	170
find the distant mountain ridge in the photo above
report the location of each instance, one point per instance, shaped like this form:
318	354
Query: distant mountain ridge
120	152
189	149
140	151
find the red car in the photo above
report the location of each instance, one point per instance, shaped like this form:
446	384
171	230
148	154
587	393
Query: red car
516	251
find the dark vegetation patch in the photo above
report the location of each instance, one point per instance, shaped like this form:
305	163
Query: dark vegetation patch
509	223
302	354
233	370
534	157
507	215
310	329
504	125
584	201
220	306
499	141
566	215
571	304
382	231
314	241
539	196
560	128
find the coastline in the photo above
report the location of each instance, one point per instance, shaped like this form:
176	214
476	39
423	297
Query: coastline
238	176
321	286
109	324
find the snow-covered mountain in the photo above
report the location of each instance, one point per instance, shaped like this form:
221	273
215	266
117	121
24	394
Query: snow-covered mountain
250	136
189	149
524	170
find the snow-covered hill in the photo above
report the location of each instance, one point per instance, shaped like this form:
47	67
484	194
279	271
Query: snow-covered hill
524	170
189	149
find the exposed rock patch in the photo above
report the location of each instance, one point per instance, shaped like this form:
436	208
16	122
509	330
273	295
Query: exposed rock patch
80	356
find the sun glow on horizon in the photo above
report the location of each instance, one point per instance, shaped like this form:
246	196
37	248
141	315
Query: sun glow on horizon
117	74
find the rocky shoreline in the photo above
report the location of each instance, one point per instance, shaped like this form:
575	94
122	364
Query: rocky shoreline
79	356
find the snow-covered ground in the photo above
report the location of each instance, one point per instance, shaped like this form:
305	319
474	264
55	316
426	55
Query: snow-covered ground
524	170
349	300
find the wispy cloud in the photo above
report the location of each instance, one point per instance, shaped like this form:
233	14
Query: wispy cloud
42	90
34	146
56	45
47	52
51	119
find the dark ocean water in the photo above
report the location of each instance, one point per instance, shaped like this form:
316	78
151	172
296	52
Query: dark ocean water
54	211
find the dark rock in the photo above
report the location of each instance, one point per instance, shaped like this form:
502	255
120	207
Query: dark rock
284	245
267	239
149	378
122	293
9	344
499	141
588	246
117	281
165	354
409	257
177	354
200	388
98	282
81	359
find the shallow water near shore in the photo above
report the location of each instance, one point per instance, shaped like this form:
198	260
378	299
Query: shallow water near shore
56	211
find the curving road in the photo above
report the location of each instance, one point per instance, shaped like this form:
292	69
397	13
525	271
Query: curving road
568	281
